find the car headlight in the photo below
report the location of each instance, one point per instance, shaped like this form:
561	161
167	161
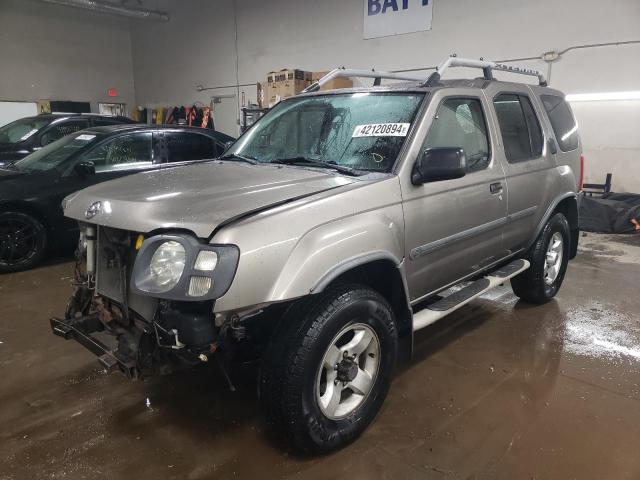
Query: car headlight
179	267
167	265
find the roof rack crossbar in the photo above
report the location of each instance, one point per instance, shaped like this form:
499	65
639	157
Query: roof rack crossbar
350	73
486	66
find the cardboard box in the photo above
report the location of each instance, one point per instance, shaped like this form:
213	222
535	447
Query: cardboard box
284	84
335	84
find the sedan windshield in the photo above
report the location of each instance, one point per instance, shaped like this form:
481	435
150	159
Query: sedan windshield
360	131
56	153
22	129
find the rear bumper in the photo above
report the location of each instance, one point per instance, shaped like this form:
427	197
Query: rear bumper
80	330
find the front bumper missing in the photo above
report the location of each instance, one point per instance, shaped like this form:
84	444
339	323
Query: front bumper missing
80	330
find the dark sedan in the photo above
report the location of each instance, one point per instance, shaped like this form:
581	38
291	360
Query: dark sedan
31	189
26	135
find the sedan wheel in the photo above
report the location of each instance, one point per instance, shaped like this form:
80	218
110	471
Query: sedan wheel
22	241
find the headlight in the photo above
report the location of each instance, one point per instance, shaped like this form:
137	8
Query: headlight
167	265
180	267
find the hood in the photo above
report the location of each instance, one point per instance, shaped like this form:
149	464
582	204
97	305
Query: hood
198	197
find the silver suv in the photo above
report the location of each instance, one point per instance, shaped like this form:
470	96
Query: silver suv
338	225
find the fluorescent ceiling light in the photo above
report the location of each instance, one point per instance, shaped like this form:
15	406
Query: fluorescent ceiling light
594	97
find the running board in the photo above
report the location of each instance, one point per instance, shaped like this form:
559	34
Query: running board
440	309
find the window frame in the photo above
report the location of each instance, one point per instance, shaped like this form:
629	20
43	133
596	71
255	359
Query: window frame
486	125
535	114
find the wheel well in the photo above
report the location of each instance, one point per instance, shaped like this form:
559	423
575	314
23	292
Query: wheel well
24	208
384	277
569	208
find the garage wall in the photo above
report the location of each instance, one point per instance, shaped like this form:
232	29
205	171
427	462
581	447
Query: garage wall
60	53
198	47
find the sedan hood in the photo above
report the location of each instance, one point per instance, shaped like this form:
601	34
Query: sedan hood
198	197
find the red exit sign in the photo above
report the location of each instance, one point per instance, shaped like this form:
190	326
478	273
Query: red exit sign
112	92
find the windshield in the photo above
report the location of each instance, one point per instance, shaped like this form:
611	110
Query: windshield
362	131
22	129
55	154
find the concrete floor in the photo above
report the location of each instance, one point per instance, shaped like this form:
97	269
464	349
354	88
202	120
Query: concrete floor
498	390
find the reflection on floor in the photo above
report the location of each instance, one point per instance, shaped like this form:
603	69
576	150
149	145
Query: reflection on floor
500	389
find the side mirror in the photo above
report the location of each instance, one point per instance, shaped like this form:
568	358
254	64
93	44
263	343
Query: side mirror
436	164
85	169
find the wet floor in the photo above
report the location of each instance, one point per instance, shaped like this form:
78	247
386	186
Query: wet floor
499	389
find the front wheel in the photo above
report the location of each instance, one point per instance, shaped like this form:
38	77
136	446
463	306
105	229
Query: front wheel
23	241
549	257
329	367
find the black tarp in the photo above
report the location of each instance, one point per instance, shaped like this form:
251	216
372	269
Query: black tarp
611	213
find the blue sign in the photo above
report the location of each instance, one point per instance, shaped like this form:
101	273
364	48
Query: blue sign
394	17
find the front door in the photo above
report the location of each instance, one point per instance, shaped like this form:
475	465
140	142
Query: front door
454	227
113	158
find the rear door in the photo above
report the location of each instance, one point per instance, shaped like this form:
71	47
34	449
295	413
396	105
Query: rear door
454	227
528	160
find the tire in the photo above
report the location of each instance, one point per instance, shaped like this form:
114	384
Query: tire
538	285
296	368
23	241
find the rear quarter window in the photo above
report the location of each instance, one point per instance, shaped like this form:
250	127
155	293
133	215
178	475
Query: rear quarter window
562	121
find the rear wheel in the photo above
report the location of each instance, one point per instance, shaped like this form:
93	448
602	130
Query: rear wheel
23	241
329	367
549	257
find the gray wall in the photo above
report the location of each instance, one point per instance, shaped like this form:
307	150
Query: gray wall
59	53
317	35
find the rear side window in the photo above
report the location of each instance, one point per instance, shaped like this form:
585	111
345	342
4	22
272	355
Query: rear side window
460	123
562	121
62	129
184	146
520	128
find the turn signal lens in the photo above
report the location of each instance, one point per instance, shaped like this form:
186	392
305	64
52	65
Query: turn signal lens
199	286
139	242
206	260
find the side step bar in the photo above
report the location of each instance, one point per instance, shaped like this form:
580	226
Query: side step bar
440	309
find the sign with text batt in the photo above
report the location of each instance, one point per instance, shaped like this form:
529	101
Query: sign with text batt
383	18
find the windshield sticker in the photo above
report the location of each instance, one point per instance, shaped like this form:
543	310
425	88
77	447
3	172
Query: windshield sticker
27	135
85	137
382	130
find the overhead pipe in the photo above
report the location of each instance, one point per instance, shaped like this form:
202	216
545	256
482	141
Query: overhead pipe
121	10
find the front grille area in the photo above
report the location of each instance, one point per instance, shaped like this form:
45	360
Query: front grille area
115	256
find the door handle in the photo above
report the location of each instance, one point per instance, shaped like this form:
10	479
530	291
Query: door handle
495	188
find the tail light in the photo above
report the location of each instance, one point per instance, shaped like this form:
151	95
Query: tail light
581	173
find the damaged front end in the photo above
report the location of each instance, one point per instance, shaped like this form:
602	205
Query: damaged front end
145	306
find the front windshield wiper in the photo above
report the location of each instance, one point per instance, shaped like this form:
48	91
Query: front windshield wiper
242	158
315	163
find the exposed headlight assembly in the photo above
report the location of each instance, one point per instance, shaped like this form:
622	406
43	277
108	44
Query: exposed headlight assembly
179	267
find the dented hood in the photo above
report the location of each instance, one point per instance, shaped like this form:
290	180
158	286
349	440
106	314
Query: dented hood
197	197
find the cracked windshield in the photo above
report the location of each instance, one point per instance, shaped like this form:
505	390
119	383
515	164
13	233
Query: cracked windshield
350	133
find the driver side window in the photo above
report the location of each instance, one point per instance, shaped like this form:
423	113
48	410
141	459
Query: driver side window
121	153
460	123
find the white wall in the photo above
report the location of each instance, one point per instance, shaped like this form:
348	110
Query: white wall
60	53
197	47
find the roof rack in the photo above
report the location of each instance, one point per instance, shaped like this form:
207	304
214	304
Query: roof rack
486	66
345	72
453	61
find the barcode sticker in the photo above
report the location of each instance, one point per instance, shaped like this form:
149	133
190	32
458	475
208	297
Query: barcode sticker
381	130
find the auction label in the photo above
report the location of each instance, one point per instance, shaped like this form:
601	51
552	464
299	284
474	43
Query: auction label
382	130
